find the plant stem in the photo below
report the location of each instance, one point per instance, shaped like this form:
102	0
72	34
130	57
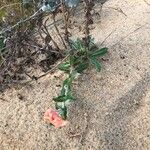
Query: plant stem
47	32
66	19
57	30
89	4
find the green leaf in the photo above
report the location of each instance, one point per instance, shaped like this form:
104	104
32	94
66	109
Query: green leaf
80	44
72	60
62	109
96	63
66	86
81	67
73	45
64	67
63	112
77	45
74	75
91	43
99	53
68	102
63	98
60	98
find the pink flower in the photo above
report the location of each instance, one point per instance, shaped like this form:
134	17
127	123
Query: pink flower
53	117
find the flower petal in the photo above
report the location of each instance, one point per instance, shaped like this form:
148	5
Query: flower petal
53	117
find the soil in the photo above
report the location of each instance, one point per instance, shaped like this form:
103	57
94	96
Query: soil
112	109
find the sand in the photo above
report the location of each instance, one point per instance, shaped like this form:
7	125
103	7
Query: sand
112	110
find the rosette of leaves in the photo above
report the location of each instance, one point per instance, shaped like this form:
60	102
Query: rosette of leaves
80	58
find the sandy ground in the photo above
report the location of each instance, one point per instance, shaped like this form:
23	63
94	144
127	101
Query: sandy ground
112	110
